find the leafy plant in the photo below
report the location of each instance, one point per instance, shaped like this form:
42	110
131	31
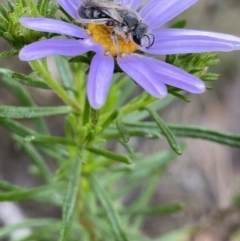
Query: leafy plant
88	181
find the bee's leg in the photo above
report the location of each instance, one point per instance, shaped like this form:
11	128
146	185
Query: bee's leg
126	38
115	41
128	35
123	31
111	23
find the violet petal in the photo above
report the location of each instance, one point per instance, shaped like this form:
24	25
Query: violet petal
71	7
142	74
133	4
158	12
99	79
171	75
53	26
46	47
179	41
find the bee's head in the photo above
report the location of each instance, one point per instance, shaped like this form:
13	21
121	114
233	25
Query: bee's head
141	36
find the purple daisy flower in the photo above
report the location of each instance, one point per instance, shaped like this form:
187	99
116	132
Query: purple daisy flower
151	74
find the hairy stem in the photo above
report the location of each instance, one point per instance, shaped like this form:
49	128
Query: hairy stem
43	72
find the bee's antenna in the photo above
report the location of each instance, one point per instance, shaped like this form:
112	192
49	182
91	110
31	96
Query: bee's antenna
149	40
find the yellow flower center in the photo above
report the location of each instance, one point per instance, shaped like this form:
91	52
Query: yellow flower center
101	34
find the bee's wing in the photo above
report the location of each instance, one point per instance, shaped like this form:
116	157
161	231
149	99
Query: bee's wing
104	4
112	13
107	7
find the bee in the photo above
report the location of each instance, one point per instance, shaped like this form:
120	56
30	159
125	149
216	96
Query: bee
122	20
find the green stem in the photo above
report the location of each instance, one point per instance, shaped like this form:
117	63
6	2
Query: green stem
41	70
80	83
138	104
81	92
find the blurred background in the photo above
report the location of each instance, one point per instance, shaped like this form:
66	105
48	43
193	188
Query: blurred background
205	178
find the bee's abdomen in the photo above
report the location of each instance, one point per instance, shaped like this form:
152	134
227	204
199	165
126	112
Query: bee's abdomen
91	13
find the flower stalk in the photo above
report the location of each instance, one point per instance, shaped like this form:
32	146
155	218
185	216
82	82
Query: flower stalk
47	77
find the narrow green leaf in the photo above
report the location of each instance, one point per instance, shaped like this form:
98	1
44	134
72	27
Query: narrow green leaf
4	12
36	159
8	53
16	127
10	6
110	119
18	2
26	100
30	223
180	96
45	194
23	3
111	155
86	113
65	72
22	95
157	210
210	77
39	3
44	7
26	80
57	152
122	130
109	209
5	186
32	112
52	11
166	131
71	196
4	22
22	78
49	140
112	133
225	138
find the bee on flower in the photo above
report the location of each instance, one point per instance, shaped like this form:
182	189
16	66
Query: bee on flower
115	32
